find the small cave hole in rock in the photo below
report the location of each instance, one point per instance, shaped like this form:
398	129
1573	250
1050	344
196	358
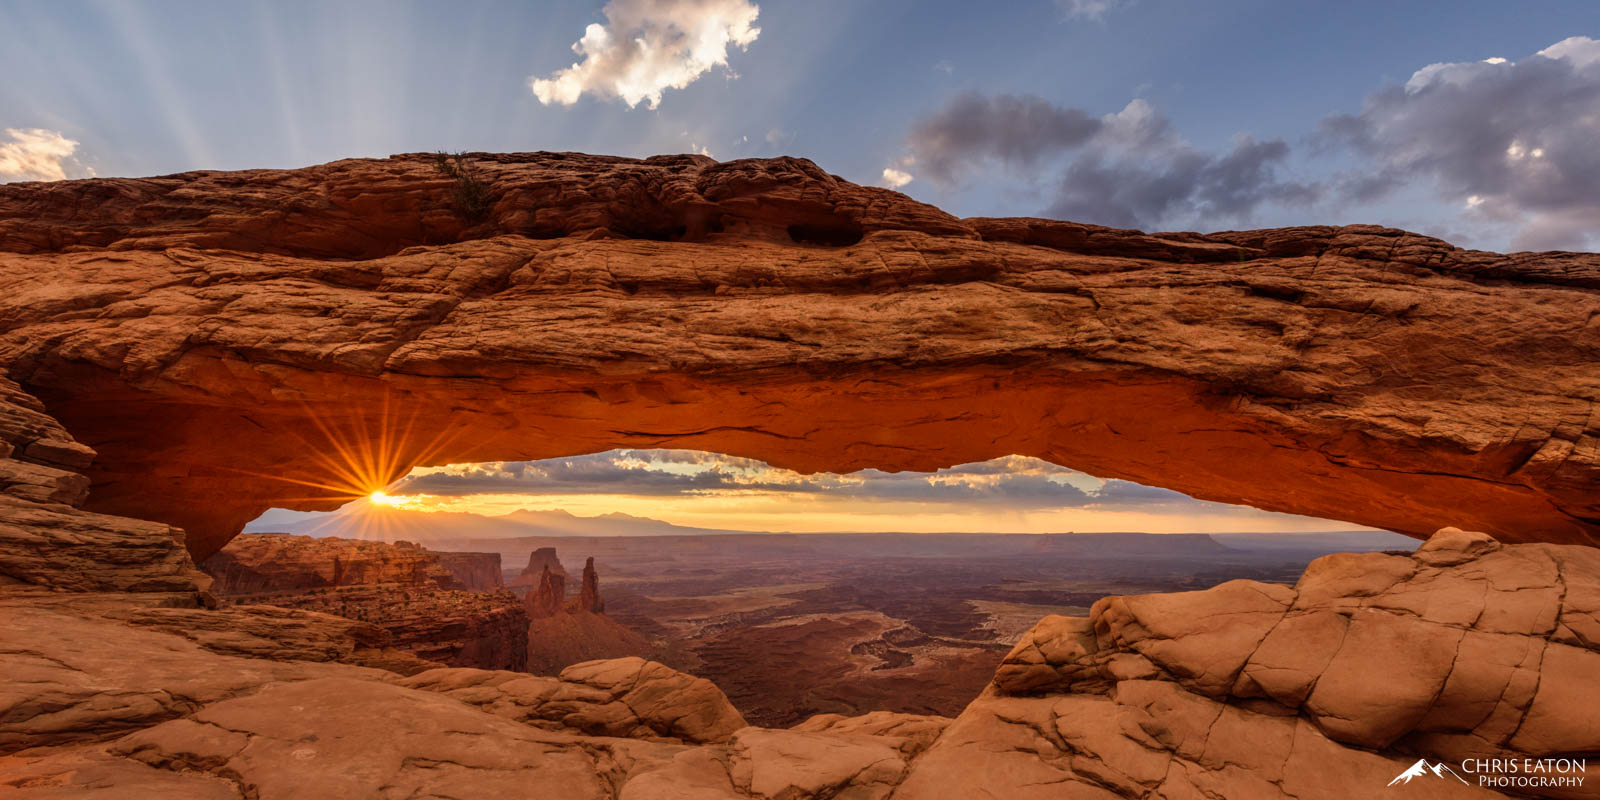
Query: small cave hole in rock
840	233
904	589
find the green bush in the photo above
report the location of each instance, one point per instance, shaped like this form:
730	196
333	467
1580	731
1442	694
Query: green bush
472	190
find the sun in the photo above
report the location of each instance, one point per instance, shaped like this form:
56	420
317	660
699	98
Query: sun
382	498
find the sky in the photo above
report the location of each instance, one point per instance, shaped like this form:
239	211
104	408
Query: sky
1472	121
1014	494
1469	120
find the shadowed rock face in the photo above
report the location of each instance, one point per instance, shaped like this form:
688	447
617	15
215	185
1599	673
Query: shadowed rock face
281	563
477	572
419	603
47	539
539	561
549	596
589	594
204	330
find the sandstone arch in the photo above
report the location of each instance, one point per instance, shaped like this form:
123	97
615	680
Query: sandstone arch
204	330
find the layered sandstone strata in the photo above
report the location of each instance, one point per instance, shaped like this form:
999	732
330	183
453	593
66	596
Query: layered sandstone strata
477	572
207	329
538	561
47	540
409	592
271	563
452	627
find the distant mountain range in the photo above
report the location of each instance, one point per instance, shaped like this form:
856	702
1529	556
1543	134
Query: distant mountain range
353	520
365	521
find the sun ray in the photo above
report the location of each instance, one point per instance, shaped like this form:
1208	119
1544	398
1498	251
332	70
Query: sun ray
356	459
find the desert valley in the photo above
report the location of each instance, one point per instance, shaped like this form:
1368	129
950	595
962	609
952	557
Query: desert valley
786	625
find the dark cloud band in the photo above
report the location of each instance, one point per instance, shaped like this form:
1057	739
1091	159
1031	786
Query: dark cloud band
1012	482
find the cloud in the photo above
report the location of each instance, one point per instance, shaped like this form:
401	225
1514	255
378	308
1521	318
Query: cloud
1011	482
35	154
1174	184
648	46
896	178
779	139
1129	169
1510	142
1088	9
973	128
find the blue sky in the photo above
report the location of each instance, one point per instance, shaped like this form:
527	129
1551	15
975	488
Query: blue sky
157	87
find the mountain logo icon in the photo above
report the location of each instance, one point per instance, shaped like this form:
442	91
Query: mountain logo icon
1422	767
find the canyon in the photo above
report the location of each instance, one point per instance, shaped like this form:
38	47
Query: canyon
790	626
184	352
417	595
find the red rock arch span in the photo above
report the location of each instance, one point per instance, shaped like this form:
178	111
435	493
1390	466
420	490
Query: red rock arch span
214	336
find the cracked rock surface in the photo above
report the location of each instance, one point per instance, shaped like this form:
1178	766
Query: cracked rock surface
615	697
1466	648
203	330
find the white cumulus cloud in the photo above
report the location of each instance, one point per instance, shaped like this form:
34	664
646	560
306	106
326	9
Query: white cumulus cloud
648	46
35	154
895	178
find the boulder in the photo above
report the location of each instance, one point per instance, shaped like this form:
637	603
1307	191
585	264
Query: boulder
1462	650
614	697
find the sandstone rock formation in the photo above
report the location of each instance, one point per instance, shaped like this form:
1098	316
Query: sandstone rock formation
1464	649
451	627
178	354
538	561
73	675
48	540
562	633
589	595
408	592
204	330
477	572
616	697
1327	689
285	634
269	563
549	597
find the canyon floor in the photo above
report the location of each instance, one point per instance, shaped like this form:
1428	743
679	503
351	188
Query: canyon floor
792	625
